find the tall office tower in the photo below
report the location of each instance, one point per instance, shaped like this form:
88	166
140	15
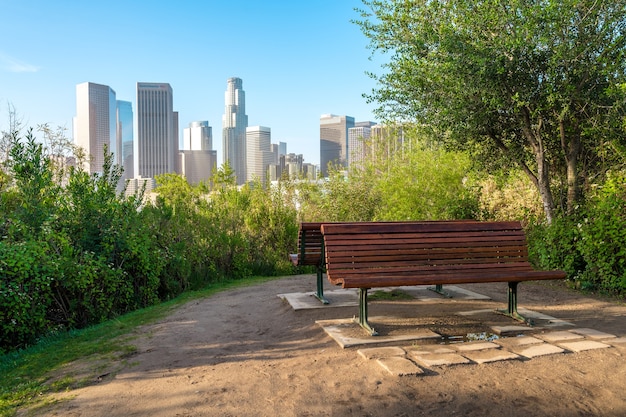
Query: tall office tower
197	161
334	140
259	155
125	137
234	124
386	141
282	148
95	125
198	136
358	137
293	164
157	130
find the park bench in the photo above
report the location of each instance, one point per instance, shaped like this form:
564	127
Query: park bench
311	248
375	255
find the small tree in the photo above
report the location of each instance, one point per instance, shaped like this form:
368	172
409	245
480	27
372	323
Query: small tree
536	83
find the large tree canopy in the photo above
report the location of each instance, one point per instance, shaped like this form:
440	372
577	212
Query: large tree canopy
540	83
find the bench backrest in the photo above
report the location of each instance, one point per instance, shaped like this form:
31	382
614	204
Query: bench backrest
438	251
311	241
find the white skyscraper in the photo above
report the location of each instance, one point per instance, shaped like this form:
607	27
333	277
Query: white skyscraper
357	141
234	124
258	152
197	160
96	123
198	136
157	130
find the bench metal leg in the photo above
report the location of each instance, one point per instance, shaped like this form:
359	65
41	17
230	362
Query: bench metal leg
363	312
439	290
511	310
320	287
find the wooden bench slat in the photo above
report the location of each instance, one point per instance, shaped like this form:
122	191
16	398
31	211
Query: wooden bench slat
448	279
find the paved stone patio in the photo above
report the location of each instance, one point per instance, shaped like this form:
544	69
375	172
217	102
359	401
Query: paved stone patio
426	352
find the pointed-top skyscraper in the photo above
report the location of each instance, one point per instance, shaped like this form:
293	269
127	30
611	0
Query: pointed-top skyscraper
234	124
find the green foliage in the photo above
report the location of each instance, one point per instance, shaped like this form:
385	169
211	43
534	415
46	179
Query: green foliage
532	84
426	184
26	276
590	246
603	237
415	183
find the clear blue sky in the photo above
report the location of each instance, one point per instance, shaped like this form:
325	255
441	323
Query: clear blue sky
298	60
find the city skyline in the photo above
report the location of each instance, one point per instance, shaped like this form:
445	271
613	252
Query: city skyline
293	70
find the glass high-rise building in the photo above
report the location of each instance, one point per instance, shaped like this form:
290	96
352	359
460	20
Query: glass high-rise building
157	130
95	126
334	140
234	124
125	136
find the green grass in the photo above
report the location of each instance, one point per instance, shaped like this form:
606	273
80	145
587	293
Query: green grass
25	376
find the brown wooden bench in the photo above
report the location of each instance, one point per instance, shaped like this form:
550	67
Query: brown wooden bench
376	255
311	248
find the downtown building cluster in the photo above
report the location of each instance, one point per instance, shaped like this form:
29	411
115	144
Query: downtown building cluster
146	144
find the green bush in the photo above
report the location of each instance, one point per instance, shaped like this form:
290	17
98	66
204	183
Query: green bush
602	240
26	276
590	245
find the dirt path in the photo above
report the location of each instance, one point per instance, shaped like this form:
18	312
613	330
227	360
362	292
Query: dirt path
246	352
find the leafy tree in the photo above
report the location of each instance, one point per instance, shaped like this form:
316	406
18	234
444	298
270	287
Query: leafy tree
537	83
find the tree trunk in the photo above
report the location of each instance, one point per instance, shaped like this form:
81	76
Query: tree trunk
535	141
571	149
543	184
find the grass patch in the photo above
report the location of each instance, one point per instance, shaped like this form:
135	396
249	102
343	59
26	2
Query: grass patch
26	374
394	294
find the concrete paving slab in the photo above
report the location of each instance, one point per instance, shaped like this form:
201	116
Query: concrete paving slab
490	355
399	366
559	336
475	346
307	300
381	352
423	292
439	359
428	349
542	349
618	342
593	334
514	342
582	345
343	332
546	320
510	330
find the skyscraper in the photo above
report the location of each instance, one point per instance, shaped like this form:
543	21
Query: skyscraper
357	137
259	155
125	137
197	159
234	124
157	130
334	140
96	123
198	136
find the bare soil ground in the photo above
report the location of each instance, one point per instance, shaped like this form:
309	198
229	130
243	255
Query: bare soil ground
246	352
